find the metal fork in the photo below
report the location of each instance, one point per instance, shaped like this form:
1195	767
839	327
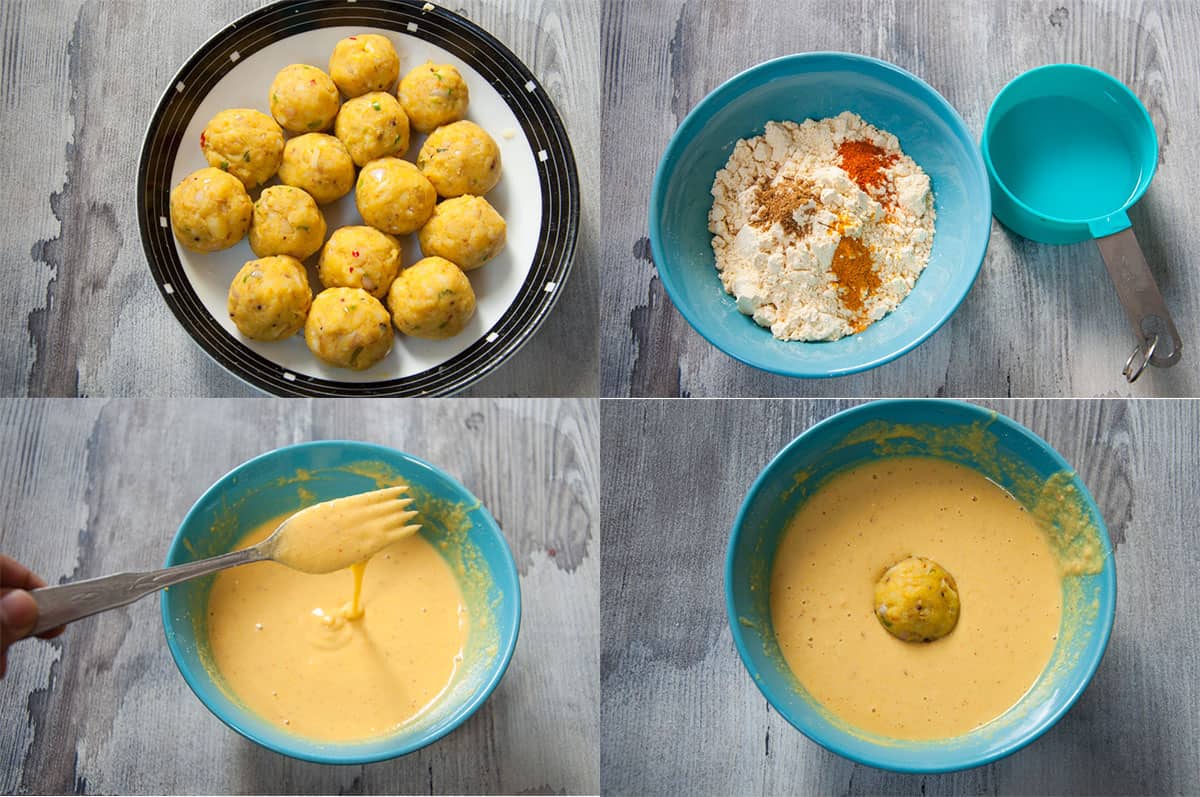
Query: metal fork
67	603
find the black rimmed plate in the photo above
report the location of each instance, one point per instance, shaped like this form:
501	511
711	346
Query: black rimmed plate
538	194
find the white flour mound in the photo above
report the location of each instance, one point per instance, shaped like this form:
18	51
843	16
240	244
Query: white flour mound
784	278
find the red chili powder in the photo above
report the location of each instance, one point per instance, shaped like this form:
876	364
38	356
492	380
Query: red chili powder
865	162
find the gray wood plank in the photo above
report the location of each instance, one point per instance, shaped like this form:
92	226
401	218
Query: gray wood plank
1041	320
78	84
89	487
679	713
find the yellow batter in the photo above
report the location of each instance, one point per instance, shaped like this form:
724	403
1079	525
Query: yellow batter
859	524
295	649
334	535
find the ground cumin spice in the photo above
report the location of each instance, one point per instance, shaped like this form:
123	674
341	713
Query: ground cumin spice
865	162
854	269
778	202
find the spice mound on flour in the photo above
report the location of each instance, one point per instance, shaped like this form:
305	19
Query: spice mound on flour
821	228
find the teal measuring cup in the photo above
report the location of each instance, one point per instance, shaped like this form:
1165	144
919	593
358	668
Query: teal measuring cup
1068	150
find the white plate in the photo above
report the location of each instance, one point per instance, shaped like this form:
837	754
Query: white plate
537	194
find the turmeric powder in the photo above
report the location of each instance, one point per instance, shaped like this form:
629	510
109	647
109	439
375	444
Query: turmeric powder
854	269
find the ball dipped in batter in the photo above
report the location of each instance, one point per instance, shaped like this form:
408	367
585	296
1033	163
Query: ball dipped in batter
210	210
360	257
393	196
348	328
433	95
244	142
916	600
303	99
460	158
465	230
319	164
432	298
363	63
286	221
269	298
372	126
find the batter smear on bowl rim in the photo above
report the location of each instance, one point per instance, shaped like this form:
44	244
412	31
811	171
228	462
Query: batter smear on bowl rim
820	228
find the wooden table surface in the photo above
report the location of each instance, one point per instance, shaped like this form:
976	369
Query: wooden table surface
680	714
90	487
1040	320
79	81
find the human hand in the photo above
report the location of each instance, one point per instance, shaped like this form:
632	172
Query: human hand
18	610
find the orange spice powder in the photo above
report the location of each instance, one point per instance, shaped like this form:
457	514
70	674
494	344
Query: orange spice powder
854	269
865	162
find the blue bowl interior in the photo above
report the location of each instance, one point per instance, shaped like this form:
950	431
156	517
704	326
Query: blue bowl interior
818	85
1005	452
1070	143
290	478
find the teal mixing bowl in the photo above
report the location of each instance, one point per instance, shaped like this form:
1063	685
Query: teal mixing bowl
289	478
798	87
1005	452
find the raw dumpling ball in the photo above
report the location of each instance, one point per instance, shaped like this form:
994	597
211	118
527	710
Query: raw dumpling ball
367	62
432	298
304	99
465	230
244	142
460	159
286	222
360	257
433	95
349	328
210	210
372	126
394	196
319	164
269	298
916	600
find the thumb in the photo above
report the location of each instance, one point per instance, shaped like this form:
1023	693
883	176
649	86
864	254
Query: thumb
18	614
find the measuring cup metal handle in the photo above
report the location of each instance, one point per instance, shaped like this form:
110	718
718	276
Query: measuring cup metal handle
1158	340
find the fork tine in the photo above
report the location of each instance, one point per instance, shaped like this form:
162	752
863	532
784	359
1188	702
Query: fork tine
404	531
380	511
400	520
389	504
379	496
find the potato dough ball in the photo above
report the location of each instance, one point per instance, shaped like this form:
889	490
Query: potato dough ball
465	230
460	159
360	257
210	210
269	298
304	99
286	222
362	63
244	142
319	164
916	600
432	298
433	95
372	126
349	328
393	196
